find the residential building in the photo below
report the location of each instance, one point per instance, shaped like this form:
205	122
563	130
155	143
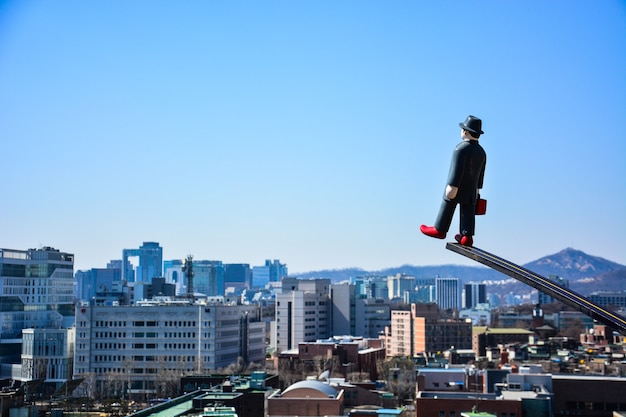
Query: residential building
144	347
303	311
36	292
421	330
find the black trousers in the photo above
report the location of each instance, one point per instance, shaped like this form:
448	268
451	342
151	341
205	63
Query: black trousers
467	213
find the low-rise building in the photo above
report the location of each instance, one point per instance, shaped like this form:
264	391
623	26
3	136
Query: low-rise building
486	337
339	355
306	398
453	391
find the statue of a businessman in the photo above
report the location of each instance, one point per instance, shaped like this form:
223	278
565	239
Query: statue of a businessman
464	183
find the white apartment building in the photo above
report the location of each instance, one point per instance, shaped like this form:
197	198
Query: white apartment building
136	349
303	311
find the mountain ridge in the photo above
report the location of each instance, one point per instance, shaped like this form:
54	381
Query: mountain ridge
585	273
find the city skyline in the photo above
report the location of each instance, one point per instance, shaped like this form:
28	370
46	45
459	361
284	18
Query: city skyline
319	134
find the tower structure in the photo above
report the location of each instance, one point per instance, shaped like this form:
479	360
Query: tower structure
188	271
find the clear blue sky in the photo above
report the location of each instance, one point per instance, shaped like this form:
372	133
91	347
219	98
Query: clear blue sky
314	132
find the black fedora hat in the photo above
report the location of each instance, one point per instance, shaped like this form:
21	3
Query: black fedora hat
472	124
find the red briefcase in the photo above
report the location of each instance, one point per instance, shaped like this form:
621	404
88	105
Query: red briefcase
481	206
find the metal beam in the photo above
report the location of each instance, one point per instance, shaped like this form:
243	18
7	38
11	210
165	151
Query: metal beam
545	285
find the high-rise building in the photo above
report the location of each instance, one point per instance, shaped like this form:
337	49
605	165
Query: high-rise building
448	293
474	294
237	276
173	272
371	316
303	311
136	348
150	265
424	291
37	293
96	280
357	316
400	284
271	271
208	278
343	309
372	286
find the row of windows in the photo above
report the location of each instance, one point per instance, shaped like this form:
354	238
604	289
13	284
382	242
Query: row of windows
145	334
123	346
180	346
224	345
109	345
108	358
145	346
123	370
99	323
108	335
20	289
36	271
181	334
139	323
144	323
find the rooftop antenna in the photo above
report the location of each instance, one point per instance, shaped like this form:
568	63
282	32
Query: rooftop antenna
188	271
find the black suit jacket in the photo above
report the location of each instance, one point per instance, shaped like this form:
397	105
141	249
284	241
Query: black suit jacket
467	170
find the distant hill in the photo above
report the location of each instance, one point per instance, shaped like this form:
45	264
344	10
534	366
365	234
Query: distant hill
585	273
573	264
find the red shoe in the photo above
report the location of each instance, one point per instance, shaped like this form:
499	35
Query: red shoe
432	232
464	240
